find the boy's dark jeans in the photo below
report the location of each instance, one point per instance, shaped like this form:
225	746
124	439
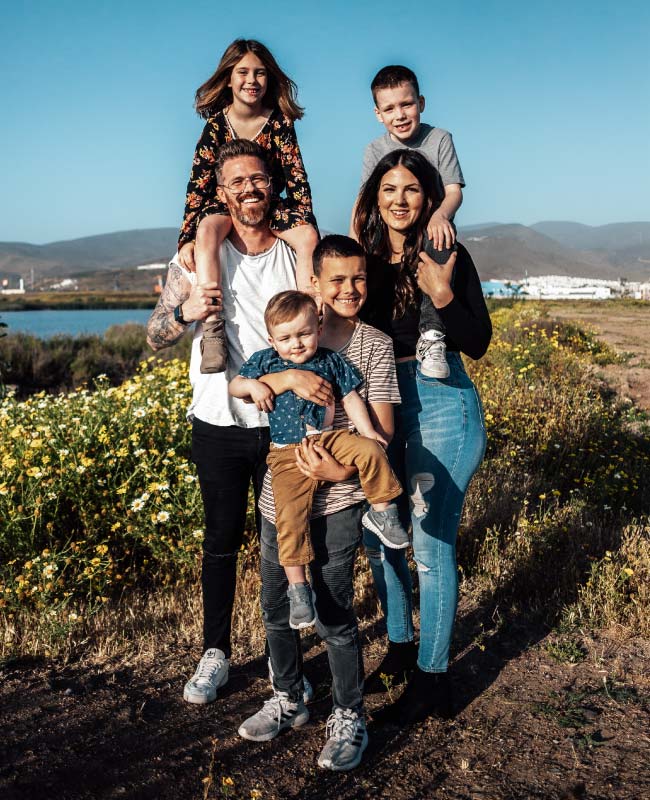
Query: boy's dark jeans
227	459
335	539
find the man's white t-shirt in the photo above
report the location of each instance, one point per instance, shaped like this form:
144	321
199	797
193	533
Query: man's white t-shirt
248	283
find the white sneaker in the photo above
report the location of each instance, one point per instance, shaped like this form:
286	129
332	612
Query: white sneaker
432	355
347	739
275	715
210	675
307	688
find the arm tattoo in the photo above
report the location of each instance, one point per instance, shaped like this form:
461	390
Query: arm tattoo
162	328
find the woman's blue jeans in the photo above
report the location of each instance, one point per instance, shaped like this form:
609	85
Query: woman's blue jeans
438	445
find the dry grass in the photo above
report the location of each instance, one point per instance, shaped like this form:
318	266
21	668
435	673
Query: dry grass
618	588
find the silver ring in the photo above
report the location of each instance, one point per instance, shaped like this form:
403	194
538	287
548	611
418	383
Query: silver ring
214	301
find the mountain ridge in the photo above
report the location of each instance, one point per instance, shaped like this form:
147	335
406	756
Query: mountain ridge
500	250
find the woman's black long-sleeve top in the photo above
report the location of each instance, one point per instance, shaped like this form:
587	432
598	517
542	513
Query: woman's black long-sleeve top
468	328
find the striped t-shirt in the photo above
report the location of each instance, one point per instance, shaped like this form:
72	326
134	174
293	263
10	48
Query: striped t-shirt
371	351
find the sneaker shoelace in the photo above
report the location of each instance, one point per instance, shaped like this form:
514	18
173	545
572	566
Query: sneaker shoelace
272	708
207	668
429	349
341	725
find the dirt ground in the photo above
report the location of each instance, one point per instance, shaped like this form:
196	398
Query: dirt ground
527	726
626	328
539	714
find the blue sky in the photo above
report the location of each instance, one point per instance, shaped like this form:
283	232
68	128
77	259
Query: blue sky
548	102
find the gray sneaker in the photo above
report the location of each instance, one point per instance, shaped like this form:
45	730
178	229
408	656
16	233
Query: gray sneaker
301	606
387	526
432	355
347	738
275	715
210	675
307	688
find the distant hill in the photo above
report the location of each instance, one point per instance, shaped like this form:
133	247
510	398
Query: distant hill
560	248
499	250
92	253
611	238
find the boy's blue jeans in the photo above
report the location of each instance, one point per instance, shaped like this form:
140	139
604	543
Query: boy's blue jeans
438	445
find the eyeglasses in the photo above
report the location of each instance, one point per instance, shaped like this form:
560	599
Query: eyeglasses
258	181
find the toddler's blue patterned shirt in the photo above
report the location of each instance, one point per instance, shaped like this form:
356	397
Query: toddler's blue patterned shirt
291	413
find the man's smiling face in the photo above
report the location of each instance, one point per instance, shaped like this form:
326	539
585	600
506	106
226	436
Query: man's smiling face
247	202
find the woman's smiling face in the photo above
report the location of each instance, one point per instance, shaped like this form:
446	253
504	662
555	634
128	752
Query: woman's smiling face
400	199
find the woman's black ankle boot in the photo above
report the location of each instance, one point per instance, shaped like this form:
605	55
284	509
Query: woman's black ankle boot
427	694
394	669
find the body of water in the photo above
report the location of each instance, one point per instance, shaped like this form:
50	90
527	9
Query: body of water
45	324
499	288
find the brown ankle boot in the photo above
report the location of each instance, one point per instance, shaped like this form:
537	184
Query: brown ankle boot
214	350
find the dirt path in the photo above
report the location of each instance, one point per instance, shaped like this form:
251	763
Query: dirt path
626	328
527	726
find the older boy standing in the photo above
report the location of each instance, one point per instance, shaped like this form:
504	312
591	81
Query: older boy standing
340	278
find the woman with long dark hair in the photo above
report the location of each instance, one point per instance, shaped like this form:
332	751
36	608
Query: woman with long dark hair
440	434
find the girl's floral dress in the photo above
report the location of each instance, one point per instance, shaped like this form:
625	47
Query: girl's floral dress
278	138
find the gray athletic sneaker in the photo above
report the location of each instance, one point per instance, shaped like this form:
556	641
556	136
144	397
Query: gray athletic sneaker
275	715
301	606
210	675
347	738
307	688
386	524
432	355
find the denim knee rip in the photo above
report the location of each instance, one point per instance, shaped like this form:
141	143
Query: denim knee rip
421	483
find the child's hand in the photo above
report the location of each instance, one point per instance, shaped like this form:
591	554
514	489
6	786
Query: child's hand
262	395
186	256
440	231
435	279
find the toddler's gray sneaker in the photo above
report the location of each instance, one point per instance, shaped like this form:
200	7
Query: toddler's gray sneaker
210	675
387	526
275	715
301	606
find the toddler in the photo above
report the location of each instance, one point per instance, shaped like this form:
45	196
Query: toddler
293	326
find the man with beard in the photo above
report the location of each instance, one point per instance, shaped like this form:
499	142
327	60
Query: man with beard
230	438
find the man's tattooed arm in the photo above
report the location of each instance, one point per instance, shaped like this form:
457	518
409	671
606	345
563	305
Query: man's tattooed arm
162	328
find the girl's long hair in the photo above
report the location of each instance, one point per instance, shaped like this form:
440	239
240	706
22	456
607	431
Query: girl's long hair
215	94
372	231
